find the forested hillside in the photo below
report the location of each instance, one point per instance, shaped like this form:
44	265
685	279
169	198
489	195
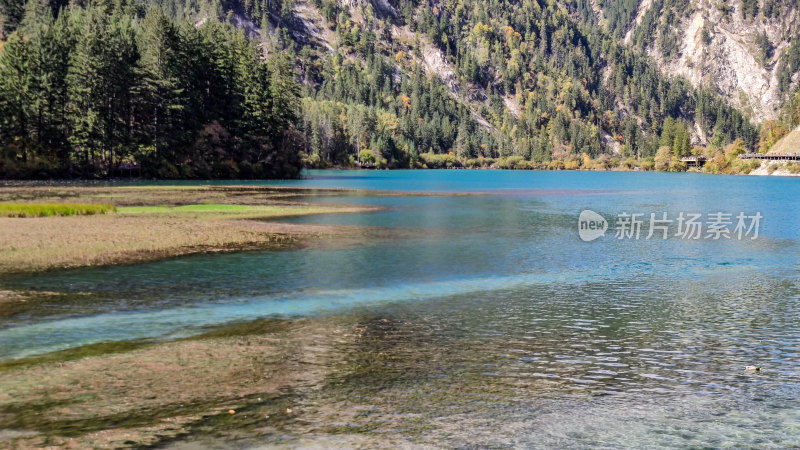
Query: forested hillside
531	80
250	88
103	86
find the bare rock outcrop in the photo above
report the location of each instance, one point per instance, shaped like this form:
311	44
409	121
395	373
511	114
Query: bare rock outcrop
721	49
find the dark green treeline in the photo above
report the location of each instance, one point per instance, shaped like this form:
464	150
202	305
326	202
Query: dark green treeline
88	90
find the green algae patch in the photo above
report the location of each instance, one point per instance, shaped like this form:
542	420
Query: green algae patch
201	417
72	354
22	210
251	328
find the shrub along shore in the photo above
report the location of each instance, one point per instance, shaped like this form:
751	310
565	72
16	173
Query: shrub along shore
667	159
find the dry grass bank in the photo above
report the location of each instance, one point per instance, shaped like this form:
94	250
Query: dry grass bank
61	242
152	223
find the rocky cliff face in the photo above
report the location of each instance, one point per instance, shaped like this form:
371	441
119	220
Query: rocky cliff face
732	45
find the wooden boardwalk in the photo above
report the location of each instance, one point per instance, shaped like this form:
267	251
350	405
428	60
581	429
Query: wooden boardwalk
699	161
772	156
694	161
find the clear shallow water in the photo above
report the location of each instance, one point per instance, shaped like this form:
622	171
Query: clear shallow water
495	323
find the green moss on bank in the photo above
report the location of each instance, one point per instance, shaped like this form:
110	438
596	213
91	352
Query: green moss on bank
53	209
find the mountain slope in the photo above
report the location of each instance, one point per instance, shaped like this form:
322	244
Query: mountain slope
743	48
557	83
537	75
788	144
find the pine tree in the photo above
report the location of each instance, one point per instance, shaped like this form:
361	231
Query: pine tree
51	45
682	144
15	95
667	133
161	90
87	80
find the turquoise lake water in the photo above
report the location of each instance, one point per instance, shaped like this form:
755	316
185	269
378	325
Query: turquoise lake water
614	342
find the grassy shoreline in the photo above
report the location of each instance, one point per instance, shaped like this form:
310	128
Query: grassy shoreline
151	224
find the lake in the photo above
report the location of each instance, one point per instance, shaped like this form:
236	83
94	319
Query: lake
494	322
